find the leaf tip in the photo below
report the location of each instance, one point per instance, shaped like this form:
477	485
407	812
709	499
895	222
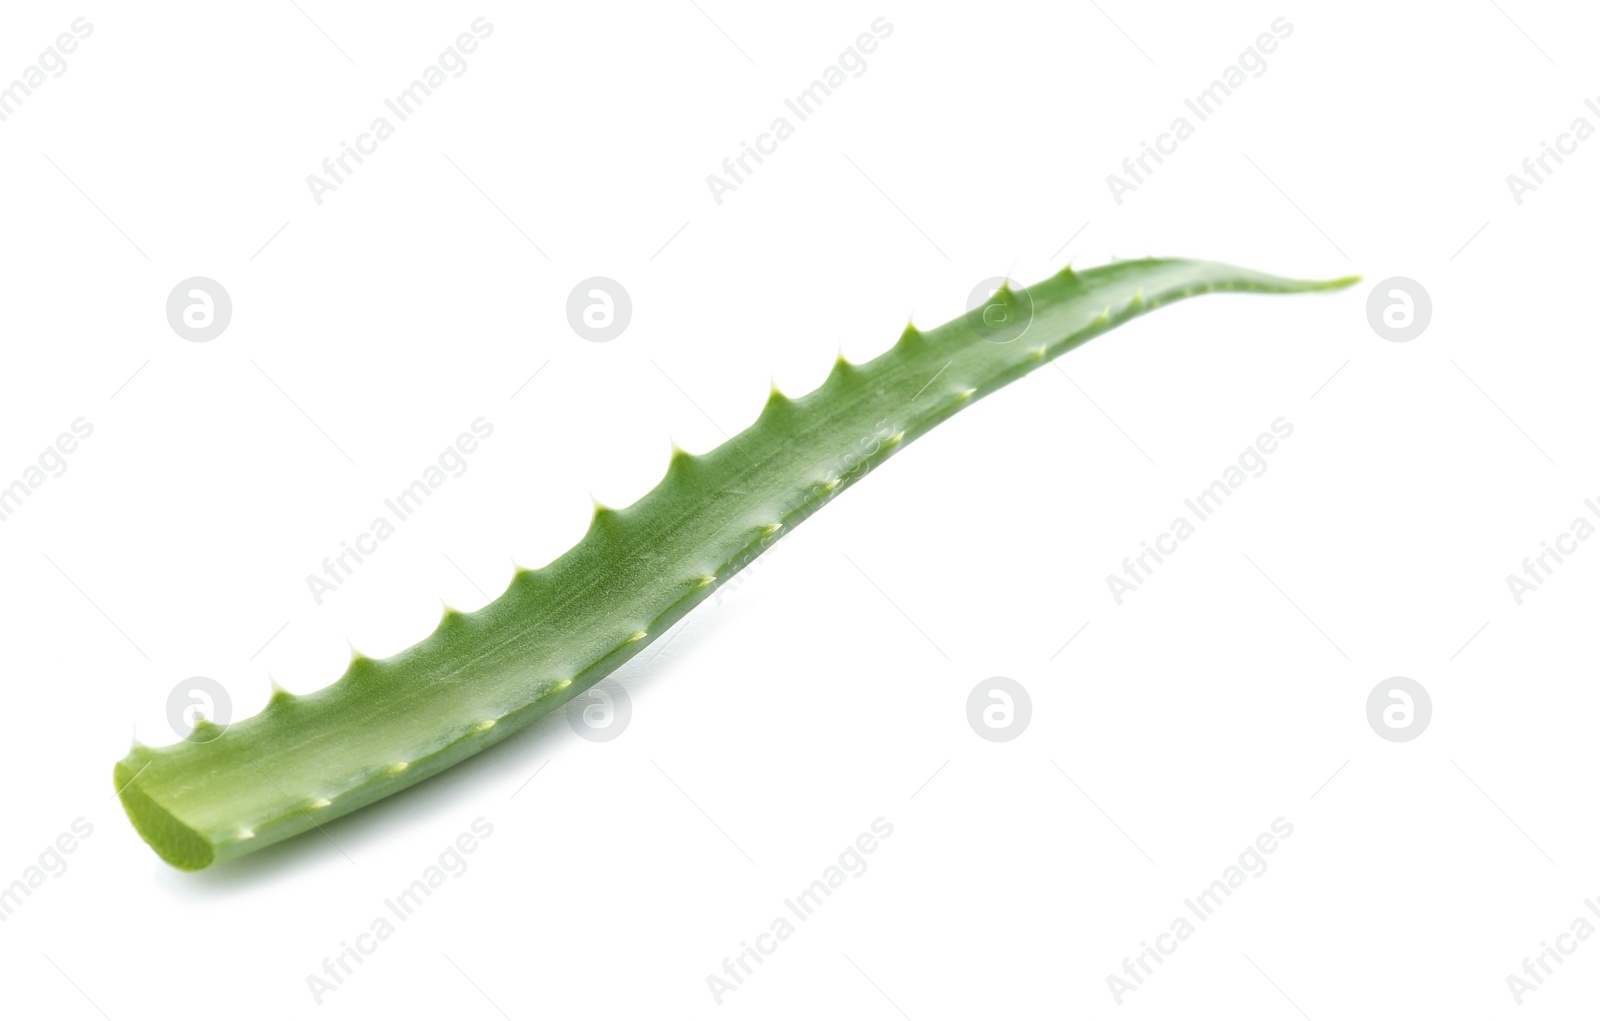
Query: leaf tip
557	686
605	519
681	460
279	695
776	398
843	368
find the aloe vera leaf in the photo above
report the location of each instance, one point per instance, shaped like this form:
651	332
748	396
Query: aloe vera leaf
481	676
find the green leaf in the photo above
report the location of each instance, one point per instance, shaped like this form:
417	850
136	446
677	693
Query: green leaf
482	676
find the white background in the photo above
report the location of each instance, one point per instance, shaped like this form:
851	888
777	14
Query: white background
775	727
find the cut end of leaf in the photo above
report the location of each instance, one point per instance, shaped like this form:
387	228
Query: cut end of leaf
177	844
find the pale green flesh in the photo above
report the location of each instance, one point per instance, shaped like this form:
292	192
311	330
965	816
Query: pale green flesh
481	676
